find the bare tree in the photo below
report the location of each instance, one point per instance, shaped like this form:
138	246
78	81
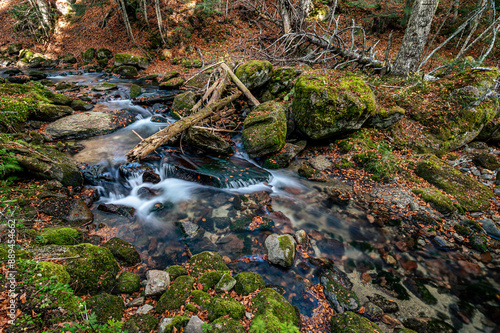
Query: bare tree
128	28
42	10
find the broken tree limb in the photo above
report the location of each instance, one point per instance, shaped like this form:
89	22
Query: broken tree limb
240	85
146	146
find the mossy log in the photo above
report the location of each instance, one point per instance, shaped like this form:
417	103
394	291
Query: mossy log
146	146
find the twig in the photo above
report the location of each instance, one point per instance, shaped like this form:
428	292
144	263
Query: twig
140	137
215	129
64	258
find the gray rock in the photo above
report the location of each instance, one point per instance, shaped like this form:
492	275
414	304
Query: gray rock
280	249
105	86
189	229
491	228
337	289
130	60
301	237
255	73
182	104
50	112
226	283
373	311
144	309
72	211
207	141
136	302
82	125
164	323
194	325
320	162
158	282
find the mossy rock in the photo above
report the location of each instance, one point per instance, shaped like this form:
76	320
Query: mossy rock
349	322
436	199
325	105
124	252
94	270
60	99
209	279
309	173
274	310
281	82
200	298
254	74
488	161
135	91
206	261
220	307
182	105
174	83
89	54
392	283
14	48
106	307
227	325
126	71
79	105
60	236
176	322
50	112
69	59
128	283
281	249
478	242
104	54
472	195
339	296
205	140
428	325
226	283
140	323
105	86
175	271
248	282
130	60
176	295
264	129
49	269
384	118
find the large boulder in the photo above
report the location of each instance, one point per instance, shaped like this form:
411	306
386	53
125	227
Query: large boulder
92	268
69	211
50	112
470	194
126	71
264	129
273	310
254	74
182	105
14	48
331	103
176	295
106	307
280	249
124	252
103	54
44	162
449	112
89	54
59	236
206	261
207	141
280	83
131	60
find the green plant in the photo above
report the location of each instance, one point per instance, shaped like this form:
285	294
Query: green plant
208	7
90	324
205	327
289	328
8	164
258	326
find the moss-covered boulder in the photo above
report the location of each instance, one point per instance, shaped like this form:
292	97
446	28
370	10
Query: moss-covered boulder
384	118
167	325
349	322
254	74
428	325
220	307
106	307
280	249
264	129
176	295
226	283
248	282
49	270
60	236
341	298
472	195
14	48
79	105
89	54
131	60
105	86
274	310
436	199
280	83
175	271
124	252
128	283
135	91
50	112
227	325
103	54
44	162
67	211
206	141
141	323
182	105
209	279
126	71
200	298
325	105
94	269
449	112
206	261
485	160
173	83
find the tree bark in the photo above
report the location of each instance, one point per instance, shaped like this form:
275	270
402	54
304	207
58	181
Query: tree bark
146	146
415	37
145	10
286	15
126	21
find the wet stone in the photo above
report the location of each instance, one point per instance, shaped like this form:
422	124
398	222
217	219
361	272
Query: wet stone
157	282
373	311
125	211
491	228
151	177
147	193
136	302
189	229
388	306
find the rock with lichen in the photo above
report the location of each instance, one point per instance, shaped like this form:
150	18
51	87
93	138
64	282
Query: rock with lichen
280	249
254	74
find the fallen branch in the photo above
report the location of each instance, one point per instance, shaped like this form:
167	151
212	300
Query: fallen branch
146	146
240	85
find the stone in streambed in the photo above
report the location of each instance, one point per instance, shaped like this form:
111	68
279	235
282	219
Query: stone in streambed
79	105
128	283
280	249
182	104
138	62
127	72
273	310
135	91
205	140
71	211
336	286
50	112
105	86
351	322
206	261
282	158
248	282
124	211
124	252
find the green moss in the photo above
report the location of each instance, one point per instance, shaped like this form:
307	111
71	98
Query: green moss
488	161
328	104
104	53
479	242
206	261
286	245
462	230
94	270
438	201
227	325
50	269
135	91
140	323
60	236
220	307
131	60
349	322
274	310
209	279
341	297
176	295
425	294
472	195
89	54
123	251
106	307
392	282
310	173
173	83
178	322
200	298
255	73
182	105
175	271
128	283
248	282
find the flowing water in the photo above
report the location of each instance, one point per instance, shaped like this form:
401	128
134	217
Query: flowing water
185	213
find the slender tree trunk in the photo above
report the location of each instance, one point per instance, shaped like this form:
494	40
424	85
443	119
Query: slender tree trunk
481	4
160	20
415	37
126	21
286	15
304	10
42	10
145	10
454	15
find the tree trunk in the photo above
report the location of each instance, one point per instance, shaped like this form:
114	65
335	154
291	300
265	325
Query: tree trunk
45	14
304	10
145	10
126	21
415	37
454	15
160	20
286	15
